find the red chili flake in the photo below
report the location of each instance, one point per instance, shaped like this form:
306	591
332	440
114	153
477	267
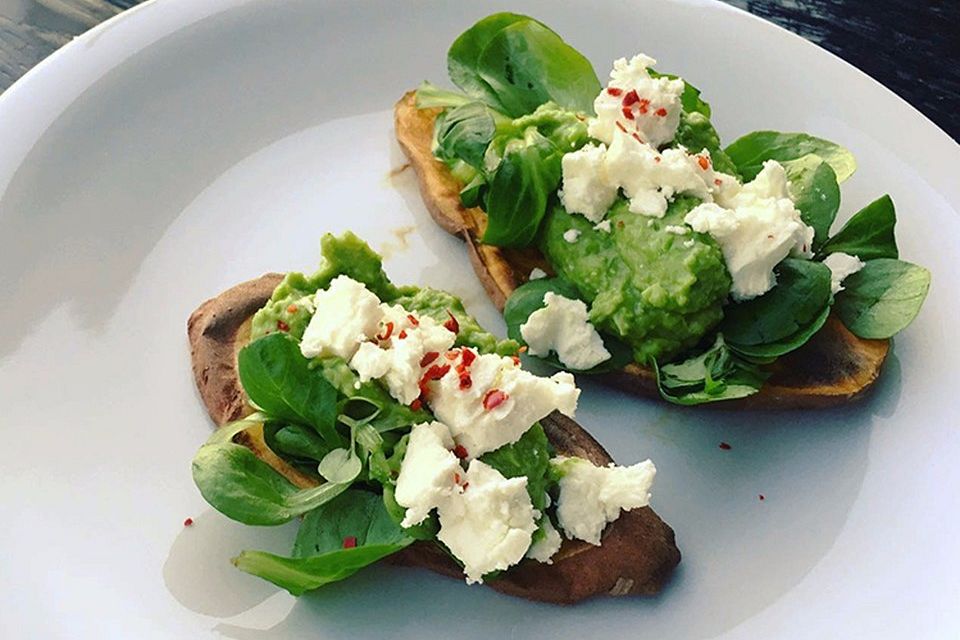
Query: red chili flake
456	478
283	326
416	405
452	324
762	497
516	360
522	349
661	112
413	320
386	332
621	127
403	334
656	158
428	357
804	249
350	542
704	162
188	522
718	182
465	485
614	91
493	399
628	113
452	355
631	98
644	106
435	372
725	446
460	451
292	308
636	136
465	381
467	357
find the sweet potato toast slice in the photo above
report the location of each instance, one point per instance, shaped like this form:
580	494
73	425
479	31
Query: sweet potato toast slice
834	367
638	552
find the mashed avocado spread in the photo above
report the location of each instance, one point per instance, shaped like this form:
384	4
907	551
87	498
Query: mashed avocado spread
658	290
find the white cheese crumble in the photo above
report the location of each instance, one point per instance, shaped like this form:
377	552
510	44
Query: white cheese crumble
585	187
756	226
563	326
545	548
677	229
571	235
400	345
488	522
591	496
347	314
637	103
428	472
841	265
501	402
603	226
536	274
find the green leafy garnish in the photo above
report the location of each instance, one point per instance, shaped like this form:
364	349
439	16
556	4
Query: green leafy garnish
717	374
279	381
334	542
530	457
784	315
868	234
882	298
515	64
750	151
816	194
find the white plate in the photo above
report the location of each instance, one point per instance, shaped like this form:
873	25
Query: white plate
187	146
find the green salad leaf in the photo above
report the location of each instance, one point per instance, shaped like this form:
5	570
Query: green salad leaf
244	488
696	132
279	381
750	151
882	298
464	133
526	179
868	234
335	541
816	194
785	313
296	443
515	63
528	298
430	96
716	374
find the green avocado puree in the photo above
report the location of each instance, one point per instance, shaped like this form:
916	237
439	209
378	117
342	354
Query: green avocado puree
658	291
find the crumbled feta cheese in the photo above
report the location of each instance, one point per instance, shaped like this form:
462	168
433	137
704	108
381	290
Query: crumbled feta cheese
545	548
537	273
603	226
347	314
591	496
637	103
571	235
756	226
689	243
427	473
488	522
500	403
841	265
585	189
562	326
677	229
396	359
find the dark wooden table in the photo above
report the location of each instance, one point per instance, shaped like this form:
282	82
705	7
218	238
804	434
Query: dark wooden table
911	46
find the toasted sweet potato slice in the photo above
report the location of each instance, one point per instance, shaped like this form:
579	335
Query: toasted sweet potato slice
638	551
834	367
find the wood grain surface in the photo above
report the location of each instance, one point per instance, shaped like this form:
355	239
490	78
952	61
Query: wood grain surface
913	47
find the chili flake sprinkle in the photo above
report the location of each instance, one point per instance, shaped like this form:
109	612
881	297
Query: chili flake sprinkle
350	542
452	324
292	308
614	91
402	335
283	326
387	332
725	446
460	451
413	320
493	399
704	162
416	405
429	357
661	112
188	522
